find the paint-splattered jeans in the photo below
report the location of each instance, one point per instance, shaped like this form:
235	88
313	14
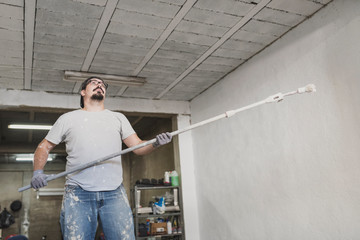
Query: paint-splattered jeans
80	211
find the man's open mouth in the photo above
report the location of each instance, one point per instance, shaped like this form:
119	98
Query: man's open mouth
100	89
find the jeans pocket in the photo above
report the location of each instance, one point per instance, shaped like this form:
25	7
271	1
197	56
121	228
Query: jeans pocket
70	188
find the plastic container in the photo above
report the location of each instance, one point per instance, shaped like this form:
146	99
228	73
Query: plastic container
169	227
174	226
148	226
174	178
176	200
167	178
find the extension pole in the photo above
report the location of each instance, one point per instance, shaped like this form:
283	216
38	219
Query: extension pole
274	98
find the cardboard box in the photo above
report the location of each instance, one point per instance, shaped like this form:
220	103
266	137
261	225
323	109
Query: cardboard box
158	228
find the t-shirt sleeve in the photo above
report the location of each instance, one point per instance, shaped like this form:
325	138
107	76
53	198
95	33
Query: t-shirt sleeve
57	133
126	128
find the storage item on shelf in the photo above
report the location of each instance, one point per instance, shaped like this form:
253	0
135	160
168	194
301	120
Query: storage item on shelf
166	225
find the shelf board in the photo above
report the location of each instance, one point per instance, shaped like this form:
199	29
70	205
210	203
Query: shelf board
158	215
155	187
159	236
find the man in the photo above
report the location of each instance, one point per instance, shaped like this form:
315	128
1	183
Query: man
91	133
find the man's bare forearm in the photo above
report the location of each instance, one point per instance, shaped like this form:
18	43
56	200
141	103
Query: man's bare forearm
144	150
42	153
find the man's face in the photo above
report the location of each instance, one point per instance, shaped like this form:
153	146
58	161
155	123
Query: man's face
96	89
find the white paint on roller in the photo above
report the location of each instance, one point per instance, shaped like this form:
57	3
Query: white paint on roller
308	88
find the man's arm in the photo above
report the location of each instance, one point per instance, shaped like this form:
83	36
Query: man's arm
42	153
40	158
134	140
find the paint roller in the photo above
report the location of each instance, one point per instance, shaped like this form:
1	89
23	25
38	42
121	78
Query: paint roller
271	99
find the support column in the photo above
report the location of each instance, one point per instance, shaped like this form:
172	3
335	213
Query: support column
184	160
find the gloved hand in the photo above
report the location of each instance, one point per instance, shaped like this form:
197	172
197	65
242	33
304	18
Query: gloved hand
39	179
162	139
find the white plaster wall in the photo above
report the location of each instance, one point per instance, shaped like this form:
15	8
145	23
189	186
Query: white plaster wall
288	170
188	186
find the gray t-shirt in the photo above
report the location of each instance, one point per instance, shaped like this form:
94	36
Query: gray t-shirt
90	136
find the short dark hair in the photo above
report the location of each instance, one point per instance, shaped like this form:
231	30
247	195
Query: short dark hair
83	86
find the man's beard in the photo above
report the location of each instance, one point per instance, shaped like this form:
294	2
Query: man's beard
97	97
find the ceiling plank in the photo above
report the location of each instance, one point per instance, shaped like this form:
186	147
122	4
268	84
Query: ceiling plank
172	25
98	36
121	91
214	47
166	33
99	33
29	25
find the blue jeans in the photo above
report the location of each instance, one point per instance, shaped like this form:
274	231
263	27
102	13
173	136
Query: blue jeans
81	209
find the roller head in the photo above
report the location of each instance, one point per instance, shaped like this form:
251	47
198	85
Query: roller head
307	88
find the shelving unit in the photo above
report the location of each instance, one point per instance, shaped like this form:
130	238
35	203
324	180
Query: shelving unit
161	236
145	213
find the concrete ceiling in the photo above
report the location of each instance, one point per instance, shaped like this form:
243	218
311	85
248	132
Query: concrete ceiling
180	47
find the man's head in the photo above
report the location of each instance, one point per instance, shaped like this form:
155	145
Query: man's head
97	88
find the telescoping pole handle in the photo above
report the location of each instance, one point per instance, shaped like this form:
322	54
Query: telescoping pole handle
92	163
271	99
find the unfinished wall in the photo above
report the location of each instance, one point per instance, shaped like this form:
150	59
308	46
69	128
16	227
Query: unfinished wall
152	165
44	212
288	170
9	181
37	217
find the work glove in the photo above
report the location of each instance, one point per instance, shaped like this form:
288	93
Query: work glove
162	139
39	179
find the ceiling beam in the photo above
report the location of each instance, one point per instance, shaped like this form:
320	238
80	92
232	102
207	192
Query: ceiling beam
15	98
29	29
98	36
255	10
166	33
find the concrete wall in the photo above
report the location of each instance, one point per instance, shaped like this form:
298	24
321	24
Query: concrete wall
288	170
10	180
38	216
44	212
